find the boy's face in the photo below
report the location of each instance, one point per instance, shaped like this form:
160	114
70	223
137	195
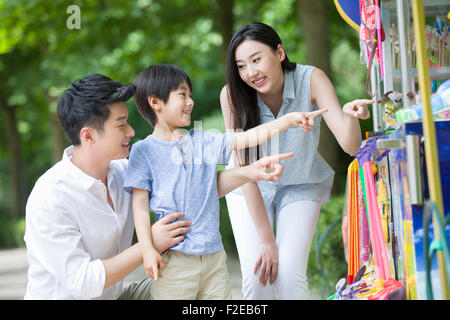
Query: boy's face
114	142
176	112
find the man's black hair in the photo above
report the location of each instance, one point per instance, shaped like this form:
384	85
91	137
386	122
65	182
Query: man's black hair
84	103
157	80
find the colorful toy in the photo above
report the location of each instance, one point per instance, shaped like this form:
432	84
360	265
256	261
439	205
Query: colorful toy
353	221
383	276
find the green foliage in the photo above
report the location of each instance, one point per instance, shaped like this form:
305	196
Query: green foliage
11	232
225	229
348	80
332	255
349	76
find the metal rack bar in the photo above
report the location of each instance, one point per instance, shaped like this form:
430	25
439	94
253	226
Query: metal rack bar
405	60
429	131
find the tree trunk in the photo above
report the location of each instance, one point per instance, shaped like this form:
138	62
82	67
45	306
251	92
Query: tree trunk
59	138
315	27
15	158
224	23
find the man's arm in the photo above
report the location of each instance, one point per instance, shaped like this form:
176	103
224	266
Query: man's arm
266	168
119	266
164	236
53	237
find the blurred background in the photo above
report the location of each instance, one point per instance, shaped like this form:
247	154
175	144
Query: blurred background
41	54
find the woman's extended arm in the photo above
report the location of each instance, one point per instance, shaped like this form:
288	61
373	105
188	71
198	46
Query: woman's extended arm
343	122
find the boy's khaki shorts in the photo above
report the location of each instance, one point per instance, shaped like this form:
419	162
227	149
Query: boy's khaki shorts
191	277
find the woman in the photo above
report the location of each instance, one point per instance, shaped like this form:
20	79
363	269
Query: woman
262	84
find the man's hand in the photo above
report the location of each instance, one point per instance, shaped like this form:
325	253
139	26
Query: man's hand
153	263
267	168
166	235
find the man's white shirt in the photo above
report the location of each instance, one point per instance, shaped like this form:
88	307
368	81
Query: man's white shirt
70	228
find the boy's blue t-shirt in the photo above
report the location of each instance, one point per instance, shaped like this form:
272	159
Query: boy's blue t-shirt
182	176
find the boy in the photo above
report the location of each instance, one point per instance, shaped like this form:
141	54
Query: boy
169	170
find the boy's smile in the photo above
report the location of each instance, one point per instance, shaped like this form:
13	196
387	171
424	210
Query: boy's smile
187	112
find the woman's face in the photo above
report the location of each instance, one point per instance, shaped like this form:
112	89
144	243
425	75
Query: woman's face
259	66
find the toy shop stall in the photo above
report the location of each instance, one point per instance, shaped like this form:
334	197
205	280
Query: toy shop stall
398	185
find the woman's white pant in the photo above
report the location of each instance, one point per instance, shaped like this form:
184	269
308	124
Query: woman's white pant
295	226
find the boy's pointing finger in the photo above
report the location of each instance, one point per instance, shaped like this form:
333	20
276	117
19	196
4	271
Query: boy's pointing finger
281	156
313	114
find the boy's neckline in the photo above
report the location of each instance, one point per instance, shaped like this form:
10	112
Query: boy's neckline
165	141
166	137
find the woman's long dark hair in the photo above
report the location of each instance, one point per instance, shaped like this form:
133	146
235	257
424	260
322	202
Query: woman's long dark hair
242	98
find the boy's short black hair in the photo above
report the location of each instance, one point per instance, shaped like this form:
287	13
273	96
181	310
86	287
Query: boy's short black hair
84	103
157	80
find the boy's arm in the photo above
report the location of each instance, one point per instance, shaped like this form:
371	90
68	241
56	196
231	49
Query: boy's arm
142	218
152	259
266	131
266	168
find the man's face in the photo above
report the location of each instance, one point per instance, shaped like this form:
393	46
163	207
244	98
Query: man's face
114	142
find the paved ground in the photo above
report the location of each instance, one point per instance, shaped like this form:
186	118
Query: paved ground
13	274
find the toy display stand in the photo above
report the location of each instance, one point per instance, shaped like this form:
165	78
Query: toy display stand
398	186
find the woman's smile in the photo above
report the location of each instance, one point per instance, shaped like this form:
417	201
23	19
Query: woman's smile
260	81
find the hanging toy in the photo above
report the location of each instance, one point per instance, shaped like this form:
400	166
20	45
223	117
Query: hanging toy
372	34
384	281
